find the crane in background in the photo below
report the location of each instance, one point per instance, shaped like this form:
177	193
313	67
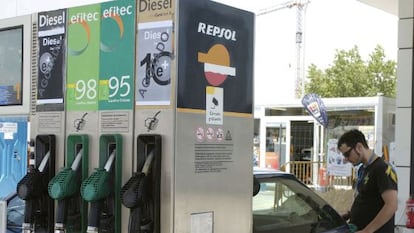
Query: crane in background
300	23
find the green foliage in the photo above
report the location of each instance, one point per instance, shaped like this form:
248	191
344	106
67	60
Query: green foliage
350	76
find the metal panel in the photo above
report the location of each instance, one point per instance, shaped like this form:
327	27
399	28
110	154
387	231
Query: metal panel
213	175
3	216
13	147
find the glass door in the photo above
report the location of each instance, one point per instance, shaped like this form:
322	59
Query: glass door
275	145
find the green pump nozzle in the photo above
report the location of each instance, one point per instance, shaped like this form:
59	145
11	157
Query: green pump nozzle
63	186
96	188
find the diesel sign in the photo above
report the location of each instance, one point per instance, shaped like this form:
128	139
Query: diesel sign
153	5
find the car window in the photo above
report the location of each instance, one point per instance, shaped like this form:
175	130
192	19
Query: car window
285	205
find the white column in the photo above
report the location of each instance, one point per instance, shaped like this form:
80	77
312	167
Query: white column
404	108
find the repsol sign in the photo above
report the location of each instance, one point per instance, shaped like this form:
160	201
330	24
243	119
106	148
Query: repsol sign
154	5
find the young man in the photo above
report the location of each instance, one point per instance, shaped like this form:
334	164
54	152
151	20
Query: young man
376	191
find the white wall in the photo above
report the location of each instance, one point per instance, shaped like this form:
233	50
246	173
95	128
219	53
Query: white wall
12	8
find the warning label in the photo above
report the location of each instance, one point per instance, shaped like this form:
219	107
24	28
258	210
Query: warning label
212	158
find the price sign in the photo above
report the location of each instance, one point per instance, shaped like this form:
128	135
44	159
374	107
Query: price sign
116	83
83	58
154	57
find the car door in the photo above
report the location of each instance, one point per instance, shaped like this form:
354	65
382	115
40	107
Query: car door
284	205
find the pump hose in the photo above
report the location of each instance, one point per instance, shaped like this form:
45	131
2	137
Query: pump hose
94	214
140	221
134	225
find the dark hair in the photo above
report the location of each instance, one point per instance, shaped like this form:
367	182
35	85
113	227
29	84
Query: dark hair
352	137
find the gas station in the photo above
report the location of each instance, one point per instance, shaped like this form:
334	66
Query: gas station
123	116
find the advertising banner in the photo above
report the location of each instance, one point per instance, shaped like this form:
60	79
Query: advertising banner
51	60
83	57
117	57
215	51
316	108
154	56
337	166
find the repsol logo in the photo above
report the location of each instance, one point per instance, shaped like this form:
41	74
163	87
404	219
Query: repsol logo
216	31
153	5
46	20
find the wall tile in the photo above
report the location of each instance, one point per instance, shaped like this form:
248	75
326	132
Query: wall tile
405	33
404	77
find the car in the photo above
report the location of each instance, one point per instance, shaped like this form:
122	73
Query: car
15	213
283	204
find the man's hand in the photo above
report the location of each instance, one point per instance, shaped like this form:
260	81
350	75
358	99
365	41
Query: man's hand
346	215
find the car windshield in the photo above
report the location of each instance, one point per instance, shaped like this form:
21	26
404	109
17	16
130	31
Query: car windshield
284	205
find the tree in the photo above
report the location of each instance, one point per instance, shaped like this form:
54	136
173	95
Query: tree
350	76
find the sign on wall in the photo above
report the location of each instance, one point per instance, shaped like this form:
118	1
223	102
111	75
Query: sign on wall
154	56
51	60
101	44
83	57
117	57
216	56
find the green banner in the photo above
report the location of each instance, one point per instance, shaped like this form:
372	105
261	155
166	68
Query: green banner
83	58
116	83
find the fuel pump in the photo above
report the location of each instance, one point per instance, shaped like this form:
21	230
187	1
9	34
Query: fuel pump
141	192
32	187
65	186
98	188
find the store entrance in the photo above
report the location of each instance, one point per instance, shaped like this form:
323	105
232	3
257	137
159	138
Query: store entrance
275	145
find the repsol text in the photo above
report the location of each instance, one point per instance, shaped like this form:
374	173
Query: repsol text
216	31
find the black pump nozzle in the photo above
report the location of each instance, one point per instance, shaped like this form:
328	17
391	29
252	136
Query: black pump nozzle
31	185
136	195
31	188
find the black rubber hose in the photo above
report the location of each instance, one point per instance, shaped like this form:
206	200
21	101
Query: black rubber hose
61	211
134	225
94	214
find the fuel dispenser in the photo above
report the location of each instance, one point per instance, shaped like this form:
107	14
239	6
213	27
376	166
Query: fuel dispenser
65	187
101	188
141	193
39	207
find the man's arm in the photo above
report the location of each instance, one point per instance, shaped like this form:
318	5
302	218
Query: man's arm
386	212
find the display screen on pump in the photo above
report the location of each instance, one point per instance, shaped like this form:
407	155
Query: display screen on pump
11	63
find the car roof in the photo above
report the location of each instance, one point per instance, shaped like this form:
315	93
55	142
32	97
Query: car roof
259	171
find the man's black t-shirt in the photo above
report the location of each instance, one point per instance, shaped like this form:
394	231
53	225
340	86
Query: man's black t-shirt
373	180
